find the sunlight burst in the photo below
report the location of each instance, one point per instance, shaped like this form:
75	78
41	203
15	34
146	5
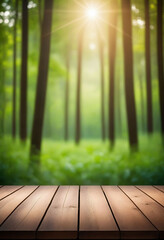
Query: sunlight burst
91	13
92	46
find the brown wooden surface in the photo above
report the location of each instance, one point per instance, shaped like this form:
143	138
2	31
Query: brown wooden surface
61	218
7	205
132	223
23	222
150	208
160	187
85	212
7	190
154	193
96	220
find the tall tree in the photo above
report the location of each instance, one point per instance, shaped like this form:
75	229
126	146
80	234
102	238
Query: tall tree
78	93
148	69
160	59
101	52
42	78
128	72
118	101
2	100
23	87
112	56
141	99
3	49
14	71
67	92
40	12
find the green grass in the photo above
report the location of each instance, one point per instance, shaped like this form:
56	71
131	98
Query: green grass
89	163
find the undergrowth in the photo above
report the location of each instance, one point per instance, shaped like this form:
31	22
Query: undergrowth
92	162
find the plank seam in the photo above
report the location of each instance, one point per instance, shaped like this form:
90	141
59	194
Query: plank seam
12	192
141	211
150	196
111	211
19	204
158	189
45	212
78	219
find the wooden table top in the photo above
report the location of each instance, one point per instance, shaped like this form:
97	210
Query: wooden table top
85	212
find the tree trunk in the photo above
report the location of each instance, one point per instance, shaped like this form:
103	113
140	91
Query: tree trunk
101	52
40	12
78	93
142	101
148	69
128	72
112	56
23	87
42	78
67	94
14	72
118	97
2	100
160	59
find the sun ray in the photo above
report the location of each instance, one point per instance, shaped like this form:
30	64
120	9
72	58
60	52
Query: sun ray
67	24
67	11
99	30
78	3
118	29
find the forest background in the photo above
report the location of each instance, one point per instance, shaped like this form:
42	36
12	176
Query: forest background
95	156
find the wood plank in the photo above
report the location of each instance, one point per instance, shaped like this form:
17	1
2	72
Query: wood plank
160	187
8	204
132	223
153	193
61	219
23	222
151	209
7	190
96	219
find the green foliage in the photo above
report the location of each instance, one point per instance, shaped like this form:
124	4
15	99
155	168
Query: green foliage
90	163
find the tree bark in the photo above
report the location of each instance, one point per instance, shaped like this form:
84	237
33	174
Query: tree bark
14	72
142	101
118	97
40	12
128	72
2	101
112	56
23	87
67	93
78	93
42	79
148	69
101	52
160	59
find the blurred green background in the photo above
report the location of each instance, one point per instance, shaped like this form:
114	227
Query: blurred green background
92	161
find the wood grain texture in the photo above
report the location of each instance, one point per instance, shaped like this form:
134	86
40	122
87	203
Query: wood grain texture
160	187
61	219
110	212
6	190
154	193
23	222
132	223
96	219
150	208
8	204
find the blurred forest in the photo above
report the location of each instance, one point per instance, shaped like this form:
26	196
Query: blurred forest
81	92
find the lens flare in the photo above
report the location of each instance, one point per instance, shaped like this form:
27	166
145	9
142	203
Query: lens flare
92	46
92	13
